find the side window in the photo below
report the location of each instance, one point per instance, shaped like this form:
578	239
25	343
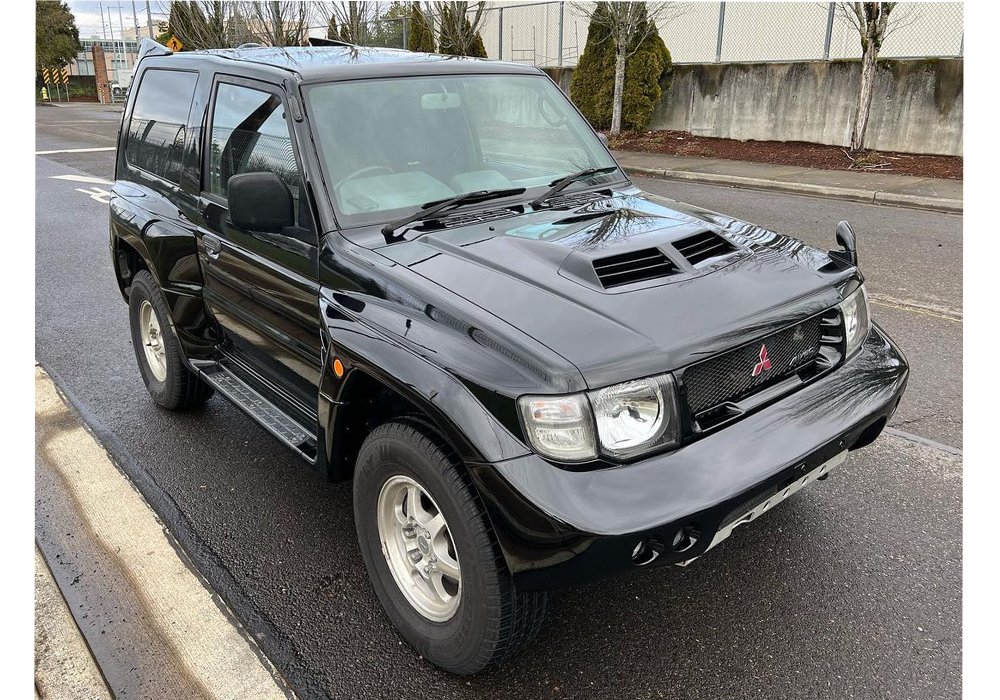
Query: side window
157	130
249	134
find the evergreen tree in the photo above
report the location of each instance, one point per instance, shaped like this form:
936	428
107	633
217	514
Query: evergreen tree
421	35
478	48
332	32
57	39
647	73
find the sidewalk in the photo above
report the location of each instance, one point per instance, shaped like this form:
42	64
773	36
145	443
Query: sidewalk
123	604
876	188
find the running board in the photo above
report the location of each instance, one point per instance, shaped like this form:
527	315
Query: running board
272	418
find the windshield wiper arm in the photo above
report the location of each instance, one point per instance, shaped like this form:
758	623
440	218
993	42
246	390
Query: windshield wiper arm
562	183
431	209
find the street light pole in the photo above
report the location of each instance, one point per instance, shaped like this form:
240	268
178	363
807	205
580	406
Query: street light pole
149	20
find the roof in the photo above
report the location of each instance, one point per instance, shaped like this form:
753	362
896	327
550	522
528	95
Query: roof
345	62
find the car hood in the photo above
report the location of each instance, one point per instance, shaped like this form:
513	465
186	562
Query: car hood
536	271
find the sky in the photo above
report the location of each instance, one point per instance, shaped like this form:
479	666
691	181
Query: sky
88	15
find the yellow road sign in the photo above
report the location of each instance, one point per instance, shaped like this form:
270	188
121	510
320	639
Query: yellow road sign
64	74
174	44
45	75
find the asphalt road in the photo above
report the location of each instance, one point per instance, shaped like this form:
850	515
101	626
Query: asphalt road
850	590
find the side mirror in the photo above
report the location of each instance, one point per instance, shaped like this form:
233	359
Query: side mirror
603	138
260	202
848	241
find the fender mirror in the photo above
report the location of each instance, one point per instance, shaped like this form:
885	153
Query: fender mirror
260	202
848	241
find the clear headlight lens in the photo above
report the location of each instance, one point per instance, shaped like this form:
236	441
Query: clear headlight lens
630	418
560	427
636	416
857	319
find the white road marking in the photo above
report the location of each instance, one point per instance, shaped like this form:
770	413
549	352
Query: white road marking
75	150
198	637
82	178
96	193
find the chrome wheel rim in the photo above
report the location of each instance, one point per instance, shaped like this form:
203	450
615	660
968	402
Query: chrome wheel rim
152	341
418	548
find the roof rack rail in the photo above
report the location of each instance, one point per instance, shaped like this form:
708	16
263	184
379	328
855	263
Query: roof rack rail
148	47
319	41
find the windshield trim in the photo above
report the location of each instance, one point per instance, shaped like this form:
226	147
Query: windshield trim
617	177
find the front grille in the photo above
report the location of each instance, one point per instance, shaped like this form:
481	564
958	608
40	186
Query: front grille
730	377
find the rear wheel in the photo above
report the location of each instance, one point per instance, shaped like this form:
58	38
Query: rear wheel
431	554
157	350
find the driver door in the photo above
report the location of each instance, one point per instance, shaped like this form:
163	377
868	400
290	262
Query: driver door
261	287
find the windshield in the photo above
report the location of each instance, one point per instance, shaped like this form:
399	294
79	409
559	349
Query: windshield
389	146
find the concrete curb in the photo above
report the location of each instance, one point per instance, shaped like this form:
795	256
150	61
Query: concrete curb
852	194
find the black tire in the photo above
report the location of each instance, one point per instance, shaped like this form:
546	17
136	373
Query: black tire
493	619
181	389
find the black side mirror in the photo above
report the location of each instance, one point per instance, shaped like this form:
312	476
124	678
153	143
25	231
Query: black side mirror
260	202
848	241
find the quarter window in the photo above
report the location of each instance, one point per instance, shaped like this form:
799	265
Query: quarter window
157	131
249	134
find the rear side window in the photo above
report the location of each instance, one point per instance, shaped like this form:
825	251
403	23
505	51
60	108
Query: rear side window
249	135
158	127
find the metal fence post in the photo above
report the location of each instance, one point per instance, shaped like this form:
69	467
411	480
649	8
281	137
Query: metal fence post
500	35
722	24
406	33
829	32
561	11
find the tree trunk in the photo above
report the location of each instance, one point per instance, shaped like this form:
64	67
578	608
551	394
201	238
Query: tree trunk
865	94
616	109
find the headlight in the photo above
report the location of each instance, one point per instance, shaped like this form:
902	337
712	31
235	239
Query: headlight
560	427
857	319
636	416
631	418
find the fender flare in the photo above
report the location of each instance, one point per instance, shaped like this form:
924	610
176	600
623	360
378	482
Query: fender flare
476	435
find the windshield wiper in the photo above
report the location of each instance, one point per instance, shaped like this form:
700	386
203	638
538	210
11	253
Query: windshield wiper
430	210
562	183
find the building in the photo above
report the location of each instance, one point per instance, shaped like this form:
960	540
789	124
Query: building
120	55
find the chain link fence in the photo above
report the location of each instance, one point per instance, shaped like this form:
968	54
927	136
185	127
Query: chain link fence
550	34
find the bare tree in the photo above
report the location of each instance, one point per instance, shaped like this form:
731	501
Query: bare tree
873	21
458	25
628	24
278	22
208	25
354	20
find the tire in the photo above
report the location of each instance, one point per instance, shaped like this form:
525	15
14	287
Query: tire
492	619
176	387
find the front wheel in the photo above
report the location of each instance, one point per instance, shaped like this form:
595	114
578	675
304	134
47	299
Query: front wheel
431	555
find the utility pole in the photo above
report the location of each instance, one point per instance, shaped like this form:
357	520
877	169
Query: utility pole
135	22
104	32
149	20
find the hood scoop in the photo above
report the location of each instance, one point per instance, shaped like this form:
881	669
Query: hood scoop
637	266
703	246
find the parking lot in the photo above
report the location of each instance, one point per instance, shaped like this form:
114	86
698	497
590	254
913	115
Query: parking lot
850	590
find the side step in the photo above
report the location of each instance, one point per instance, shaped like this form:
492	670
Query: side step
272	418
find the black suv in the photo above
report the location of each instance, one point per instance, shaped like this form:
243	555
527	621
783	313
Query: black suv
429	276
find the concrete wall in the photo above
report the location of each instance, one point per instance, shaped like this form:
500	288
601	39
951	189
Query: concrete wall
917	106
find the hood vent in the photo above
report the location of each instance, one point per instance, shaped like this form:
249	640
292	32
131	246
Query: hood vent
703	246
637	266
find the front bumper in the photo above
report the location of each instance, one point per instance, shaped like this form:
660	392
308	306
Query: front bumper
559	527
